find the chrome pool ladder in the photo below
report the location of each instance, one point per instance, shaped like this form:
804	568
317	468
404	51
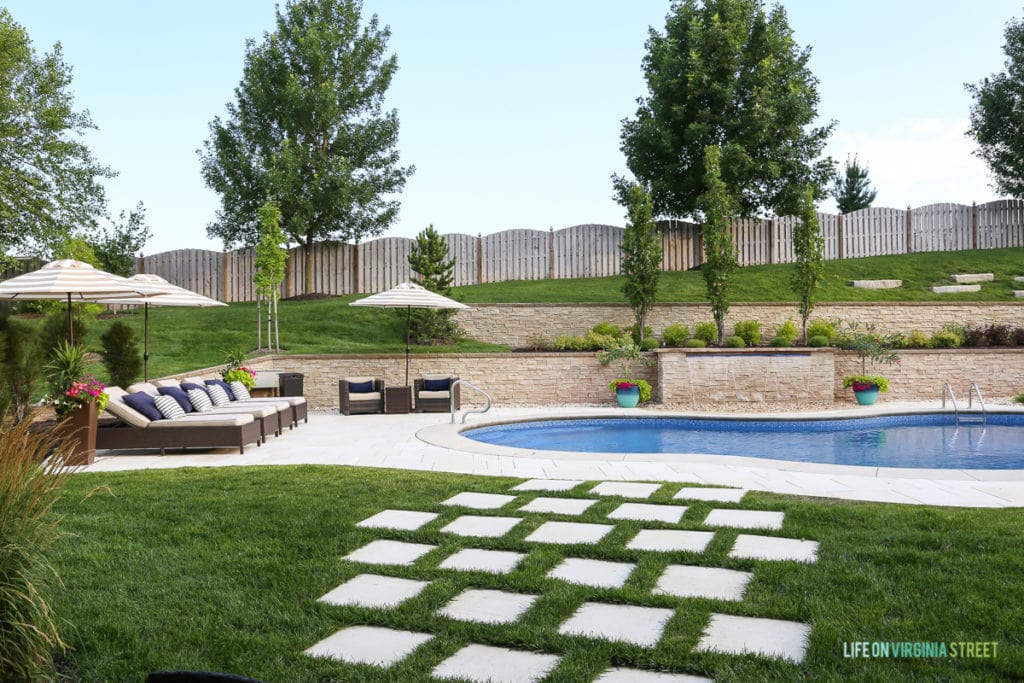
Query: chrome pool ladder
451	406
974	416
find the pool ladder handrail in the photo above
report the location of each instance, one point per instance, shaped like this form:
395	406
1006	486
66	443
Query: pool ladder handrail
947	390
451	405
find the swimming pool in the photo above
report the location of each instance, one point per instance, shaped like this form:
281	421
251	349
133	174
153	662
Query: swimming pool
915	441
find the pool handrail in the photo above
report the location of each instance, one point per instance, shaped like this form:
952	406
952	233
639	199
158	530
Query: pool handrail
481	411
974	390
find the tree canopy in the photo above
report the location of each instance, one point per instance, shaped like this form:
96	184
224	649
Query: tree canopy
852	188
49	180
997	116
435	272
720	262
308	131
728	74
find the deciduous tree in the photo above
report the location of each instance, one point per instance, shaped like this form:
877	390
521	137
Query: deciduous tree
809	255
641	256
720	260
726	73
308	131
271	256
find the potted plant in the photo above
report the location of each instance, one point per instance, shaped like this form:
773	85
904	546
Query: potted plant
236	371
77	398
629	391
867	345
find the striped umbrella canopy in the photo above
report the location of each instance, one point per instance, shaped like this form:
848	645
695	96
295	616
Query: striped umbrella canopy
71	280
170	295
408	295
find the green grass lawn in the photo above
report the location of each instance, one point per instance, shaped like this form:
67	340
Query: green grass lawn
220	569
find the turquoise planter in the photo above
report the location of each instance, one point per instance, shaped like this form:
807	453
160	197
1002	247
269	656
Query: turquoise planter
867	397
628	398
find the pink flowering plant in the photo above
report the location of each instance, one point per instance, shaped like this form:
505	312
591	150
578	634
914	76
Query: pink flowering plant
246	376
625	351
80	392
868	345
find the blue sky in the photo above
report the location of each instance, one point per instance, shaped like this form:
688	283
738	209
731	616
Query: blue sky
511	111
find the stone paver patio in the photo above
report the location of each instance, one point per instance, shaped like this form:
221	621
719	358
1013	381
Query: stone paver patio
641	626
597	573
488	606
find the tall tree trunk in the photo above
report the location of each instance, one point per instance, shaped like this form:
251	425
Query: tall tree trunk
308	249
259	322
277	331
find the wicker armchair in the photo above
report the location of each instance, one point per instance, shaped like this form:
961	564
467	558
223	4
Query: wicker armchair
428	401
352	403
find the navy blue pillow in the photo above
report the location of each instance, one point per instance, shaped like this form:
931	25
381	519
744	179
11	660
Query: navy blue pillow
179	395
360	387
143	402
437	384
192	385
223	385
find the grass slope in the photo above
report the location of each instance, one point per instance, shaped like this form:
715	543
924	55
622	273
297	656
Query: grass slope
220	569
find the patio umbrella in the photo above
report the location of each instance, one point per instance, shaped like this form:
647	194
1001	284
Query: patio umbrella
72	281
408	295
171	295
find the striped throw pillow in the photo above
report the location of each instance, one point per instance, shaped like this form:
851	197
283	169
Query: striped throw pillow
200	400
239	390
168	407
218	395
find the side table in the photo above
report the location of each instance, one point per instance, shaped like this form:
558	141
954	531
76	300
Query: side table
397	400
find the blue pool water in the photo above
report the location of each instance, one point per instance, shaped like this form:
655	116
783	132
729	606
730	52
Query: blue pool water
932	440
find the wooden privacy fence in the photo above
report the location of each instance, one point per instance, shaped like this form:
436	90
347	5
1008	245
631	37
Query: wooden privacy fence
593	250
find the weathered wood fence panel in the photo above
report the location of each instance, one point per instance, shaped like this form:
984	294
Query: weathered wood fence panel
593	250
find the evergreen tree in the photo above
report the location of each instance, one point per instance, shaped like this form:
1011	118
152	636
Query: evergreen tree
641	257
436	272
720	260
852	188
726	73
997	116
121	354
308	132
809	252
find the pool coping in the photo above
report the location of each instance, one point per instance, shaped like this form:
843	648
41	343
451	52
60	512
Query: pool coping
450	436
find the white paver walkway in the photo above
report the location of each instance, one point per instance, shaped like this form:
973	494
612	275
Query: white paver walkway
426	441
369	645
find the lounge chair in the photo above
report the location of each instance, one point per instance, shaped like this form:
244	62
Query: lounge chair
269	416
197	430
360	395
299	407
434	393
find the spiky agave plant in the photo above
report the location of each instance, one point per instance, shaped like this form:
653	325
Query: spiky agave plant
32	473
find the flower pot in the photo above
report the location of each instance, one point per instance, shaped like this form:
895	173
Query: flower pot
628	398
78	434
867	395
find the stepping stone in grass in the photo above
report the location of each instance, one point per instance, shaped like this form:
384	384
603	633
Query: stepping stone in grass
751	547
569	533
486	664
876	284
968	278
626	489
492	561
371	590
745	519
558	506
406	520
389	552
1018	293
597	573
547	485
369	645
484	527
685	581
670	540
479	501
718	495
487	606
645	512
747	635
953	289
641	626
622	675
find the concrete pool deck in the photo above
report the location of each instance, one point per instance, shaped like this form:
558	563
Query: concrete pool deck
429	442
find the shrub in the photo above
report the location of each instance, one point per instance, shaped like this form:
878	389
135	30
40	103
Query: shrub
735	342
999	334
676	334
562	342
788	331
536	342
897	340
1019	398
918	340
1018	336
819	327
593	341
632	329
121	354
706	332
649	344
54	330
21	361
695	343
749	331
949	337
818	341
975	336
28	490
606	329
778	342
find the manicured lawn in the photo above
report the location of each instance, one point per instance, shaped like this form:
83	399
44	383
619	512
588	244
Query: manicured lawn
220	569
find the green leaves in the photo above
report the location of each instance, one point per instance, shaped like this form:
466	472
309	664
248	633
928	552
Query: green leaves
720	260
852	188
641	256
809	255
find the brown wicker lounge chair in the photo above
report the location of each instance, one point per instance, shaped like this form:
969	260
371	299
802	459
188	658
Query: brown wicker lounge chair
433	400
362	403
298	408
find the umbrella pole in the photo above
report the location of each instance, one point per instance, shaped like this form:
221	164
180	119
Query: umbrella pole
71	324
145	352
408	317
